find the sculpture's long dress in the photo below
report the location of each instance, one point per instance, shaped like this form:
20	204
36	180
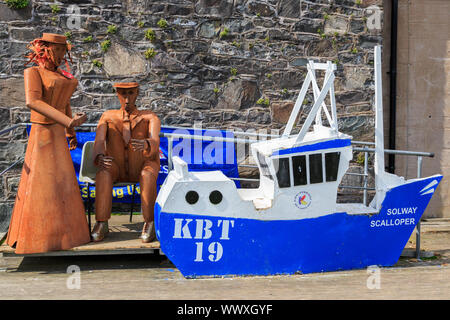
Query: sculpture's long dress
48	213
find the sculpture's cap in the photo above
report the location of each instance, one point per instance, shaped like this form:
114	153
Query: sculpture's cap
54	38
126	85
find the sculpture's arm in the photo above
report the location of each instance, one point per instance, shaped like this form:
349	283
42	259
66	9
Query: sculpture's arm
154	127
70	132
100	140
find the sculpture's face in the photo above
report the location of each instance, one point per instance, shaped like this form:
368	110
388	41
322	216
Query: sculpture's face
127	97
58	51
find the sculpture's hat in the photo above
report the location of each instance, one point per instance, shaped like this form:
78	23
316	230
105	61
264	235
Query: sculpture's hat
54	38
37	46
126	85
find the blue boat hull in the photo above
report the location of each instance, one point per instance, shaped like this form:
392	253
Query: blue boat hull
201	245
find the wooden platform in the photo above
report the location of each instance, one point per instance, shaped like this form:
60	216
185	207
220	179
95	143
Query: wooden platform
123	238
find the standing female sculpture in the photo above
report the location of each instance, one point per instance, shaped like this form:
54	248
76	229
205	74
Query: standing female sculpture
49	213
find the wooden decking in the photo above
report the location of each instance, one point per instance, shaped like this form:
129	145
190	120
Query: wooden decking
123	238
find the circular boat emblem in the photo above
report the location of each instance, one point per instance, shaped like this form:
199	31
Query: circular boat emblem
302	200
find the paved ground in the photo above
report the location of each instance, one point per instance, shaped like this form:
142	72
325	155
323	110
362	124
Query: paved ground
153	277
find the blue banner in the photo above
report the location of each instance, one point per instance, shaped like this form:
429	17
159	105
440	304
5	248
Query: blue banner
199	155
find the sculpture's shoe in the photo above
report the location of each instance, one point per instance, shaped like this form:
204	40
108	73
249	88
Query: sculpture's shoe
148	232
100	231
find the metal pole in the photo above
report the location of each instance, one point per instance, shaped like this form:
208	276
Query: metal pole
170	151
89	205
132	202
419	175
205	138
11	166
403	152
365	177
393	84
2	132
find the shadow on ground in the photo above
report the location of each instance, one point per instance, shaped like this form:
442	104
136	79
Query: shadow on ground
440	257
55	265
52	265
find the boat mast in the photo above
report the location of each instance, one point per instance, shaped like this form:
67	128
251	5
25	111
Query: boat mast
379	133
319	96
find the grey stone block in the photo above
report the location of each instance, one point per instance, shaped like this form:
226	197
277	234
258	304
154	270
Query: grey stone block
5	215
7	14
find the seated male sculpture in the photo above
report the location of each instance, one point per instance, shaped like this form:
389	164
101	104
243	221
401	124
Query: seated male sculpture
126	149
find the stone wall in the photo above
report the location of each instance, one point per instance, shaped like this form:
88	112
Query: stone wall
226	64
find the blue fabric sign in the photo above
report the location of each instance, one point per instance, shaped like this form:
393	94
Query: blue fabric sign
199	155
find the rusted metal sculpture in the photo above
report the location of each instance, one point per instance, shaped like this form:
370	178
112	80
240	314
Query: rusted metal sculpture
49	213
126	149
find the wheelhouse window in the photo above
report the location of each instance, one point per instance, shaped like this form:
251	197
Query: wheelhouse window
299	170
283	172
332	165
264	166
315	168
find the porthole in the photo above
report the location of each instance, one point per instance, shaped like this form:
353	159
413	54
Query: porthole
215	197
191	197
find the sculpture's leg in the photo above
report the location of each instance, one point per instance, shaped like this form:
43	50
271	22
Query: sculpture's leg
103	200
147	183
148	194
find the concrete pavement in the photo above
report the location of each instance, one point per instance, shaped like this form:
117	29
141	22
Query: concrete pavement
153	277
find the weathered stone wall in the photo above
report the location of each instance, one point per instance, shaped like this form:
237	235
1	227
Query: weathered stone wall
226	64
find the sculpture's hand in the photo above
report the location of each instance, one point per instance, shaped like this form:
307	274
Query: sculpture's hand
104	162
139	145
78	120
73	143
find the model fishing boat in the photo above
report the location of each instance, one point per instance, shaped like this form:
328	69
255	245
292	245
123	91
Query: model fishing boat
291	223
